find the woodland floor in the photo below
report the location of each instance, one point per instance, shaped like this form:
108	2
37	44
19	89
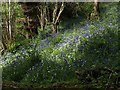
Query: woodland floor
54	86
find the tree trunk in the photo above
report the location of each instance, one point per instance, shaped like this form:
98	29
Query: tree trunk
1	44
9	21
54	28
95	12
13	21
56	17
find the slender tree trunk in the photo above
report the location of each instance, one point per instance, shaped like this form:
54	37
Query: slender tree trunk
9	22
42	17
13	21
1	45
95	13
0	26
1	41
54	28
56	17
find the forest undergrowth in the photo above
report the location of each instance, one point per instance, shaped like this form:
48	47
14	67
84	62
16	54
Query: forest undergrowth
83	54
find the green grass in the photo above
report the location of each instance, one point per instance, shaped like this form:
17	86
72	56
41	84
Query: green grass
55	59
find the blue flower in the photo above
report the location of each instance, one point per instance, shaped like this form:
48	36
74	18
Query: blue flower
85	34
70	42
22	50
76	62
76	38
14	62
71	36
76	23
85	27
82	62
54	35
42	46
100	28
18	57
35	66
65	61
110	25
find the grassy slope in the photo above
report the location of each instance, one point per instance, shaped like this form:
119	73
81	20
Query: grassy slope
55	59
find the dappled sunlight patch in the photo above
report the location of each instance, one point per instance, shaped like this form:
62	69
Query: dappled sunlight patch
56	58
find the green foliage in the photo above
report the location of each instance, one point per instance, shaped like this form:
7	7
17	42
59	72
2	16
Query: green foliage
56	58
77	9
17	68
44	33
